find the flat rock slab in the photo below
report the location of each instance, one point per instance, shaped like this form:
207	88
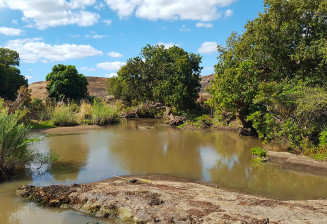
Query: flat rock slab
161	199
298	162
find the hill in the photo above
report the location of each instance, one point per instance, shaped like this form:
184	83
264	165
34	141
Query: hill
97	87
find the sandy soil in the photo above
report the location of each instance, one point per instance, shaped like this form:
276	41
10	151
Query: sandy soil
161	199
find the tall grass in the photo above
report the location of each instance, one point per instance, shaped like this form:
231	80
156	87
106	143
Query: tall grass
64	115
104	114
13	135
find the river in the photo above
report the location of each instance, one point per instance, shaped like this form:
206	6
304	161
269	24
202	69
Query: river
150	147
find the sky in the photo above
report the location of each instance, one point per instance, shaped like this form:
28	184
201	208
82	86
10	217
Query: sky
98	36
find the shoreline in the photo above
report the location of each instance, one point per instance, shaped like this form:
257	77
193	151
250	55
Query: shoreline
164	199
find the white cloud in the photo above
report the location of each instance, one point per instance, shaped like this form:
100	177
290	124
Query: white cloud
112	66
95	36
184	29
115	54
11	31
203	10
33	50
108	22
28	77
50	13
205	25
228	13
208	48
124	8
111	75
167	45
14	21
88	69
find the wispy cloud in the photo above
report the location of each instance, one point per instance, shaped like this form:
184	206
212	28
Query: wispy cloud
115	54
11	31
204	25
112	66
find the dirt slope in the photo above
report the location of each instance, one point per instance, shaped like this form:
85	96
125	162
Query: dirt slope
97	87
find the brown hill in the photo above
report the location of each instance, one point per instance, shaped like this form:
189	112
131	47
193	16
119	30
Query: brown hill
98	85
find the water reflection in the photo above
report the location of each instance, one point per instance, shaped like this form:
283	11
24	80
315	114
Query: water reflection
148	147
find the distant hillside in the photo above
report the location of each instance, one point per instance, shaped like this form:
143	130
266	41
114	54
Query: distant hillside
97	87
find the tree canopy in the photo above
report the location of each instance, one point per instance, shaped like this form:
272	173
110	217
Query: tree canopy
10	78
66	83
270	75
169	76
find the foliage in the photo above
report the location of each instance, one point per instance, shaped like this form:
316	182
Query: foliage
10	78
86	110
259	152
323	139
36	109
13	141
168	76
41	124
104	114
203	121
63	115
273	75
65	83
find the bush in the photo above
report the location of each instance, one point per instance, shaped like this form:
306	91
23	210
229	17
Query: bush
13	135
259	152
104	114
86	110
323	139
64	116
36	109
204	121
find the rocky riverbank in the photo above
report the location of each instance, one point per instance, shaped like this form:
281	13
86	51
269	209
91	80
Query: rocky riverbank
161	199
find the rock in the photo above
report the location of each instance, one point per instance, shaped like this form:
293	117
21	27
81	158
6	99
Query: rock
162	199
175	120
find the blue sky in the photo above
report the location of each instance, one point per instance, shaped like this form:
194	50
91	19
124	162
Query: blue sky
98	36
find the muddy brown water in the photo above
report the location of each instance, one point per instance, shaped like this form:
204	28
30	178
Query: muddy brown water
150	147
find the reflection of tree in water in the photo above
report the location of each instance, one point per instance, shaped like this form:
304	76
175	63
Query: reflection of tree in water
72	150
153	151
265	179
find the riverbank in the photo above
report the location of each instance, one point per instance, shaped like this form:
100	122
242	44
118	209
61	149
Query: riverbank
162	199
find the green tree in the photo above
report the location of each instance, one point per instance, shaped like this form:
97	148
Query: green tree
66	83
170	76
273	75
10	78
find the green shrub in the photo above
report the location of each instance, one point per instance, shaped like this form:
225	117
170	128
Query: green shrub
86	110
13	135
323	139
64	116
104	114
203	121
259	152
36	108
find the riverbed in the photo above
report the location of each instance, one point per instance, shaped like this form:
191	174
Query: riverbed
138	147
